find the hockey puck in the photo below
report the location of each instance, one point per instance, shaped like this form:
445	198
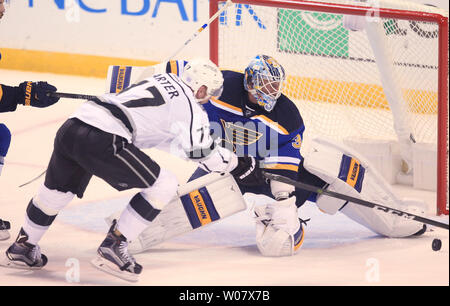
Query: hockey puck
436	245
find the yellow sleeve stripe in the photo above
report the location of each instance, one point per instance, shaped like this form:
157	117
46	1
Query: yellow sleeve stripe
238	111
282	167
174	67
1	92
226	106
272	124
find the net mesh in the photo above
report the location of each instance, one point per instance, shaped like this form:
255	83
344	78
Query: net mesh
332	71
340	74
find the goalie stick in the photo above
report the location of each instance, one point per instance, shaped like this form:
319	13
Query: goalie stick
357	201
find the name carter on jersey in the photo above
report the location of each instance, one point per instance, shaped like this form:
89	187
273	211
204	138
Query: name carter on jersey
171	90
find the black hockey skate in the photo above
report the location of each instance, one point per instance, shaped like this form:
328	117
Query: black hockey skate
113	257
24	255
5	226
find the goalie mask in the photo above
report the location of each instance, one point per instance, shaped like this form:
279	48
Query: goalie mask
264	79
199	72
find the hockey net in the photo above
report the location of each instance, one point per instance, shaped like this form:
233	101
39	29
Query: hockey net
363	72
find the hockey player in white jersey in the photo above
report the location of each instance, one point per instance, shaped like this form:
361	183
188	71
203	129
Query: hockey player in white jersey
104	137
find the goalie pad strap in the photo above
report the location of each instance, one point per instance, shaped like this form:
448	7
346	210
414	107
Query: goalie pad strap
120	78
351	172
199	207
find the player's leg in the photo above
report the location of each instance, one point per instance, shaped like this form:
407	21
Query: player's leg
349	173
164	225
5	140
124	166
64	179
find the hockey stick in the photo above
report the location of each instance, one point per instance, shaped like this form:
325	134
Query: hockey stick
196	33
35	179
357	201
71	96
60	95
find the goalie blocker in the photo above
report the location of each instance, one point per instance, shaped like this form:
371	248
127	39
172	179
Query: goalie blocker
199	203
348	173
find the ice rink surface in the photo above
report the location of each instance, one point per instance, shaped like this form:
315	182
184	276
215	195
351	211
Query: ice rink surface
336	251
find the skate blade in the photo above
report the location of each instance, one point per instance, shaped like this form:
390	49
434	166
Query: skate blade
7	263
110	268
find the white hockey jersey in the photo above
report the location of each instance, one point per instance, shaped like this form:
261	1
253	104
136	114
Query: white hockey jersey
159	112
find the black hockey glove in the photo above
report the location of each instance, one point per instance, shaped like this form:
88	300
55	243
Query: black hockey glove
36	94
248	172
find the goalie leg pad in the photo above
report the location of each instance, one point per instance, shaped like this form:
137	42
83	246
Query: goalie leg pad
120	77
201	202
349	173
278	229
383	223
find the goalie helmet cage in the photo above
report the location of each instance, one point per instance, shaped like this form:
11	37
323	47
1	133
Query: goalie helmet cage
334	76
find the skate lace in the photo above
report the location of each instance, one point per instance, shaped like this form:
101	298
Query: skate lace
123	250
35	253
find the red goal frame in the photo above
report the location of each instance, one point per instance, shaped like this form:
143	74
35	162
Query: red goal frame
441	21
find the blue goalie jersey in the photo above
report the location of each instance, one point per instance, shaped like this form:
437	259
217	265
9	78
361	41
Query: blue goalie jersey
274	138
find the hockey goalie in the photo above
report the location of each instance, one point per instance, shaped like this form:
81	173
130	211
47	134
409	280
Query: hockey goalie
330	165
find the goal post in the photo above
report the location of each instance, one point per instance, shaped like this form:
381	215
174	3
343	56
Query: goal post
350	83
